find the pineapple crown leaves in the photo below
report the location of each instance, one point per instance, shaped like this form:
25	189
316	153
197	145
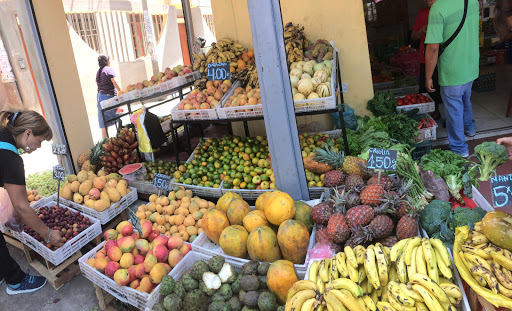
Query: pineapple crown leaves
339	201
329	156
96	152
362	234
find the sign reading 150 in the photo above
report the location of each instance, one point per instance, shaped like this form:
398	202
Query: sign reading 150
382	159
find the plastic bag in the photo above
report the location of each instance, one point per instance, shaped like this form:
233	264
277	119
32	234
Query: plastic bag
8	216
348	115
321	251
137	118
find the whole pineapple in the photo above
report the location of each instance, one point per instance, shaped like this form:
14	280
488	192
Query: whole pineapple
352	196
353	165
322	212
322	235
372	195
338	229
334	178
352	242
385	181
360	215
403	209
382	226
329	156
353	181
389	241
407	226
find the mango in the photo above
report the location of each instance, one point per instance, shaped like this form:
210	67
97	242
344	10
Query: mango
75	185
85	187
113	194
82	176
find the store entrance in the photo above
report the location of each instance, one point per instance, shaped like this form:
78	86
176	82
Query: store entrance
395	64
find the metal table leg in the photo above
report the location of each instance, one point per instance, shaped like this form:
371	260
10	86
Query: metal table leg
246	128
187	137
174	134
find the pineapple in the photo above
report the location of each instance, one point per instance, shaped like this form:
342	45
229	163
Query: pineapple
352	196
403	209
351	242
322	211
84	156
353	181
407	226
95	156
360	215
322	235
372	195
389	241
385	181
338	229
382	226
353	165
329	156
334	178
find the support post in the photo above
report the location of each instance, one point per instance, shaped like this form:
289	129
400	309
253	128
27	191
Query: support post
276	94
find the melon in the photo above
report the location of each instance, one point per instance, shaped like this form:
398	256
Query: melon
130	168
323	90
233	241
293	239
305	86
262	245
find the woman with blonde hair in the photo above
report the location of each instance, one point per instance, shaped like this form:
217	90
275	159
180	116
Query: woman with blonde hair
21	130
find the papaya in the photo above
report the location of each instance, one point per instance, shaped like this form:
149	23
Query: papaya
222	203
233	241
260	201
497	227
236	211
262	245
254	220
293	239
279	206
213	223
303	214
280	278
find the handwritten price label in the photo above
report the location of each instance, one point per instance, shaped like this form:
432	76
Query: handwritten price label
501	190
218	71
59	149
58	173
161	181
382	159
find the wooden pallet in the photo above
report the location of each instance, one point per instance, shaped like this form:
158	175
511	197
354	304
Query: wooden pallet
106	301
56	275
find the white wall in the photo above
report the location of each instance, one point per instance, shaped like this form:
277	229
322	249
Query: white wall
201	29
169	48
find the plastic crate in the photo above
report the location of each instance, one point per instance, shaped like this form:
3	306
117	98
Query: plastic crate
39	203
240	111
423	108
429	133
382	86
421	149
198	114
143	301
69	248
108	214
323	103
144	187
204	245
402	91
109	102
201	191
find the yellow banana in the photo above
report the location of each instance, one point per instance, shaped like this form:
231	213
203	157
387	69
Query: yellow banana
382	266
479	279
370	305
477	251
385	306
309	304
451	290
502	260
421	267
507	273
487	275
393	275
321	285
478	228
431	260
411	268
444	280
349	285
364	286
439	246
333	301
385	293
371	268
477	260
341	265
313	271
321	308
351	256
504	291
387	251
353	273
323	271
347	299
431	285
300	286
360	250
507	253
379	292
413	243
398	294
296	302
374	295
478	238
369	287
409	292
420	306
444	269
361	273
334	270
397	249
401	269
429	300
453	301
398	306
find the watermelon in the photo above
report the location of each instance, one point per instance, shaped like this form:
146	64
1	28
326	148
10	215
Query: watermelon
130	168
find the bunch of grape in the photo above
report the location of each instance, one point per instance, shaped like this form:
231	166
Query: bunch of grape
43	183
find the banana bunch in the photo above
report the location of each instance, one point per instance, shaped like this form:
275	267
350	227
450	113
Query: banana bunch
488	264
247	77
200	84
224	50
295	42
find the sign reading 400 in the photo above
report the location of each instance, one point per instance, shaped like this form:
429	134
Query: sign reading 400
218	71
382	159
501	190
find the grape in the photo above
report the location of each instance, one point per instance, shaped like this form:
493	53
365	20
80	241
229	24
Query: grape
43	183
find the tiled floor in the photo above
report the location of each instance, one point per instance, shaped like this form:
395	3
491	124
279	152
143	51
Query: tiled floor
488	108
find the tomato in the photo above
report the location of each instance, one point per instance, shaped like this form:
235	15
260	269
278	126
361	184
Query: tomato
400	102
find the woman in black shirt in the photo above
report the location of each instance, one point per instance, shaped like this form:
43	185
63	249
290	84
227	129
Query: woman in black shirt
21	130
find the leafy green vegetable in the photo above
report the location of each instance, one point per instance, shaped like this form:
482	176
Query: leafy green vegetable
466	217
490	155
443	163
383	104
399	127
365	138
454	184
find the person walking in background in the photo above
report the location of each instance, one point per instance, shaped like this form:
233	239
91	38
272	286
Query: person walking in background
503	19
107	88
419	31
458	64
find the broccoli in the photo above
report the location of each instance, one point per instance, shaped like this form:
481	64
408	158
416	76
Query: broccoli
434	214
490	155
480	211
465	217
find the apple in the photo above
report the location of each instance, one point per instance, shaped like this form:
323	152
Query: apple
265	185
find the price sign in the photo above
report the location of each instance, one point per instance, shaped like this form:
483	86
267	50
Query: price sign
161	181
382	159
59	149
218	71
58	173
501	190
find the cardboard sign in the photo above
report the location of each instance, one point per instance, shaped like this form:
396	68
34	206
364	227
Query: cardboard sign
59	149
382	159
218	71
161	181
58	173
501	190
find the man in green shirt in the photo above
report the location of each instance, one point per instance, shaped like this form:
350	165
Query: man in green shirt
457	65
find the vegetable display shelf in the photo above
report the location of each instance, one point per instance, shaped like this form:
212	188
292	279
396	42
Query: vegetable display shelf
423	107
401	91
72	246
106	215
203	244
421	149
143	301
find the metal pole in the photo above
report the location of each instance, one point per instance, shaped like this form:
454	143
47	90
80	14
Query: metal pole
150	36
280	122
185	4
